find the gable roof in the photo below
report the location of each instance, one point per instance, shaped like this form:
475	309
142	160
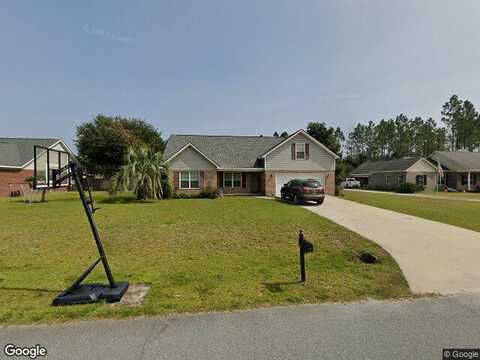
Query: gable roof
190	145
308	136
385	165
226	151
16	152
457	160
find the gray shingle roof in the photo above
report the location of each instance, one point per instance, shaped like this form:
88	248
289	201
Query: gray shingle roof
230	152
385	165
457	160
18	151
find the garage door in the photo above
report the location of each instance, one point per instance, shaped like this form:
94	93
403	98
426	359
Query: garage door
283	178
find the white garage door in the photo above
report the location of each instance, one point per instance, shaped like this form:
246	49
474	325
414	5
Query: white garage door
282	178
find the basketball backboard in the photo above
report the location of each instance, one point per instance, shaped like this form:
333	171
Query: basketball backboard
45	161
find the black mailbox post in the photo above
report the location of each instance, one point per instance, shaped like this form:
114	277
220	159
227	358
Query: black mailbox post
305	248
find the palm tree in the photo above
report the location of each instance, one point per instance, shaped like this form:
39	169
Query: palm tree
142	174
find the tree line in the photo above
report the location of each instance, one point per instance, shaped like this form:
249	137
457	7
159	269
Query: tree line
107	144
403	136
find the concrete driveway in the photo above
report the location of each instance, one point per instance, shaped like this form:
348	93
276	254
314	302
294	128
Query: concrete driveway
435	257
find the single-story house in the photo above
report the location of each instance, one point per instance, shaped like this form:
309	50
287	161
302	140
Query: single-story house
247	164
461	169
389	174
16	160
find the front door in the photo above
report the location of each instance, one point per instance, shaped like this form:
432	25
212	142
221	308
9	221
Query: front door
255	182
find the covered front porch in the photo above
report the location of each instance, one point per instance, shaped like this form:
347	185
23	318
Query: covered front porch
463	181
241	182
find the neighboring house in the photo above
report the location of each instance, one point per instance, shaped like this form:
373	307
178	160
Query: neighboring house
389	174
461	169
247	164
16	160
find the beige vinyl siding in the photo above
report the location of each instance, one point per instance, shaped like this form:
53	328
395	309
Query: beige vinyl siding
190	159
431	179
281	158
380	179
422	166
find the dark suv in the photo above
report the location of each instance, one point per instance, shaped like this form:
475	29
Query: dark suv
301	190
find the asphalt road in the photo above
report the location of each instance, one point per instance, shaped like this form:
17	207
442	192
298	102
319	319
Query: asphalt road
412	329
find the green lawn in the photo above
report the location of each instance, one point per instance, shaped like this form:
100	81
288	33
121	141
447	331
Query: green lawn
454	195
198	255
455	212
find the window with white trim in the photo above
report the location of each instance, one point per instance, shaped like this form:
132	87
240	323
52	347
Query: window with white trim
189	179
232	179
388	180
300	151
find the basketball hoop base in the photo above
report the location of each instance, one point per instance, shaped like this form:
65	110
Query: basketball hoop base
91	293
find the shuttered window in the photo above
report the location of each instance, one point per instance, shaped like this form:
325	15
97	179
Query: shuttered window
300	151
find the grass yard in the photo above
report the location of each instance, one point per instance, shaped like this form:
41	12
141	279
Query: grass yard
455	195
198	255
454	212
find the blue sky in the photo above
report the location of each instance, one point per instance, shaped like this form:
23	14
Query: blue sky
232	67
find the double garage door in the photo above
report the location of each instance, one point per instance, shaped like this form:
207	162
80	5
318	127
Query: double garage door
282	178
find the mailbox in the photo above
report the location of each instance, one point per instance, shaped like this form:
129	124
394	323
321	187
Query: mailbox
305	248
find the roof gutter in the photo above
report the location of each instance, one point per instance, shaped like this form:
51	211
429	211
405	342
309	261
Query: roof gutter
10	167
242	169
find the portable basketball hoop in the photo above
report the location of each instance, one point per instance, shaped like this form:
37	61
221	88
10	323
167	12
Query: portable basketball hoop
54	169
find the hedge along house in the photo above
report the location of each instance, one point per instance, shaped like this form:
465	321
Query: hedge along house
16	160
389	174
461	169
247	164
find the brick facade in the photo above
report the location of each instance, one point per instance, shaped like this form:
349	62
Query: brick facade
330	182
213	179
208	178
269	181
11	179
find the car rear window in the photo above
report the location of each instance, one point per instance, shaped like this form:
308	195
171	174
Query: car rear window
312	184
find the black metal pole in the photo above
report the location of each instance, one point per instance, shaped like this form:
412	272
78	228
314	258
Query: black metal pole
89	212
301	245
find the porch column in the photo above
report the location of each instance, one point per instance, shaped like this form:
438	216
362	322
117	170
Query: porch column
468	180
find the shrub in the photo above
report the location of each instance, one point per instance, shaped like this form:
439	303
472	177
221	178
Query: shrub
410	188
419	188
168	192
209	193
407	188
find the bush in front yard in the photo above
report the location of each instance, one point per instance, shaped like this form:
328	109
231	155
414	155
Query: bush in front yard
209	193
420	188
168	192
409	188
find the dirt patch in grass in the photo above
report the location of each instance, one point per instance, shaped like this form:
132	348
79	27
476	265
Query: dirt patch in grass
135	295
